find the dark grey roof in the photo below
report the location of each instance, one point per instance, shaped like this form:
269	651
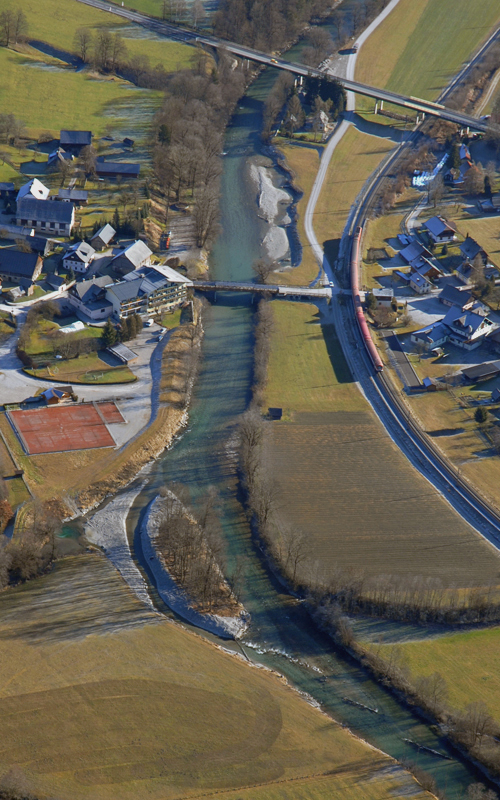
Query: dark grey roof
88	291
126	290
438	225
116	168
55	281
7	187
73	194
481	371
18	263
470	248
38	243
82	138
45	210
455	296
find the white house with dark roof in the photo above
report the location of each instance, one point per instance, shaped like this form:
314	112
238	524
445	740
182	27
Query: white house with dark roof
89	297
79	257
34	189
419	283
465	329
133	257
470	249
440	230
46	215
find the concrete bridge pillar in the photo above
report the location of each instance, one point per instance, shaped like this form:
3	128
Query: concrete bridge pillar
381	105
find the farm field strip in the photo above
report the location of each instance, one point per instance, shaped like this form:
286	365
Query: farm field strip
127	704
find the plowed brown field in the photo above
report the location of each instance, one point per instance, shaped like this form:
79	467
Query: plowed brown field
362	505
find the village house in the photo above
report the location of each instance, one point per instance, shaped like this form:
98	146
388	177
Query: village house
132	257
481	372
79	197
383	296
148	291
55	396
20	268
439	230
74	141
466	329
470	249
34	190
431	337
45	215
455	296
415	254
103	237
58	157
89	298
79	257
419	283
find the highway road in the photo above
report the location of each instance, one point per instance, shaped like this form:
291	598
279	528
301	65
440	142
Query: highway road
192	37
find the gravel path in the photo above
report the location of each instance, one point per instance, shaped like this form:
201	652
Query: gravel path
107	529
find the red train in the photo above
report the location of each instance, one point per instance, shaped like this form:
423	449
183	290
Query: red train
358	310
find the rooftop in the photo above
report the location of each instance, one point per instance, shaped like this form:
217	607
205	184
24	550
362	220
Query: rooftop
438	225
17	262
45	210
137	253
83	138
105	233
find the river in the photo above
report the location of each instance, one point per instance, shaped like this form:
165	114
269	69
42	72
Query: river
281	635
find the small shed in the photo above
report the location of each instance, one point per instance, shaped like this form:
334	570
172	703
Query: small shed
275	413
123	353
55	396
430	384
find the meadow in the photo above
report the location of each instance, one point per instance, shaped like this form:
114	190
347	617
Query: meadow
56	21
424	42
104	698
341	479
307	369
74	100
469	662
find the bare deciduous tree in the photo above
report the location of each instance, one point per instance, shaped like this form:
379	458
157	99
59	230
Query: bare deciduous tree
82	43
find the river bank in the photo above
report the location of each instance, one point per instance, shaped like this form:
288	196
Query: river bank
179	369
230	627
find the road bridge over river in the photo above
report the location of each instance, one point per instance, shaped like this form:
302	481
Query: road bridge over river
278	290
194	37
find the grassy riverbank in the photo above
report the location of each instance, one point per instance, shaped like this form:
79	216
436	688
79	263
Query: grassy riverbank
105	699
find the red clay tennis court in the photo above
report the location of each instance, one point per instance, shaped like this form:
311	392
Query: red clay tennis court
61	428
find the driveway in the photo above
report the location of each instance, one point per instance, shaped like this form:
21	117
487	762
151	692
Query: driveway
134	399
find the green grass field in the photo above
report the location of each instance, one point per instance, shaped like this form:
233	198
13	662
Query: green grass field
49	101
103	699
469	662
55	22
307	370
424	42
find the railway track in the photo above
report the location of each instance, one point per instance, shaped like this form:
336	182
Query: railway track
389	406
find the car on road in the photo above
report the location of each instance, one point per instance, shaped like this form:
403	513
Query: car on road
273	61
148	323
